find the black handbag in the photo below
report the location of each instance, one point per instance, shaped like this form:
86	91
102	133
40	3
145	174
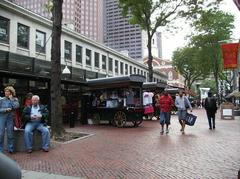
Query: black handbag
190	119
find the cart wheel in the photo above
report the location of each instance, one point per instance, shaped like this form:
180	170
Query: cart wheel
120	119
96	118
137	123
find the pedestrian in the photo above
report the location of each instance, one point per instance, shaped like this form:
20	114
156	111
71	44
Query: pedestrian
36	118
211	109
182	103
166	103
28	99
8	105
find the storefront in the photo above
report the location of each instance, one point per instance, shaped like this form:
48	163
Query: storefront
32	75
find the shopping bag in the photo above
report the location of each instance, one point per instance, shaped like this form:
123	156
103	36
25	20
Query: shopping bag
190	119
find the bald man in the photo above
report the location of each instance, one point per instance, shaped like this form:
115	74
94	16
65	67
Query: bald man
36	116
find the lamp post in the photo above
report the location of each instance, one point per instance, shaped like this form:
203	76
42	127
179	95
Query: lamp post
70	112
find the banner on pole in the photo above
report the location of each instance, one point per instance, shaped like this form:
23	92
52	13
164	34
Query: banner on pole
230	55
237	2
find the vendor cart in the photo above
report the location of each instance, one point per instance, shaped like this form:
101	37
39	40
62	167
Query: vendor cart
117	100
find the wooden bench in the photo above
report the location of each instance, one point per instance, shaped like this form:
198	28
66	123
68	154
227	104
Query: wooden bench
19	143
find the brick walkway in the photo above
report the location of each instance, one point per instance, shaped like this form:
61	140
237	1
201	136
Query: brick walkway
142	153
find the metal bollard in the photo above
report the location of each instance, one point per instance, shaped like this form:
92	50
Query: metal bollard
9	168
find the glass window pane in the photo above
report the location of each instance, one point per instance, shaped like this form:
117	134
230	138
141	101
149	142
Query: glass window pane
96	55
78	53
121	67
23	36
4	29
110	64
88	57
126	69
40	41
67	50
104	66
116	66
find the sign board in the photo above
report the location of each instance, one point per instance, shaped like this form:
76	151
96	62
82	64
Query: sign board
227	112
230	54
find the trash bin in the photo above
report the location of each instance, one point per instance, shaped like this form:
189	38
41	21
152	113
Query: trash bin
227	110
9	169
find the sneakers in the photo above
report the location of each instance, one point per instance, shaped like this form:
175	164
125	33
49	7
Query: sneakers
161	132
167	131
29	151
45	150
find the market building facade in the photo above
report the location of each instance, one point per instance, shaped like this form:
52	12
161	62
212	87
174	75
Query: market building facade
25	56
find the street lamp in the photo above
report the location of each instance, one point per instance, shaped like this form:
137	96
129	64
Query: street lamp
66	70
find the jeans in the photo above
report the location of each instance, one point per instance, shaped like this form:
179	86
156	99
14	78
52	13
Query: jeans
165	118
6	122
211	119
28	134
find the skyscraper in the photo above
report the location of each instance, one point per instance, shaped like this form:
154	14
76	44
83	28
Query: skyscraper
119	34
83	16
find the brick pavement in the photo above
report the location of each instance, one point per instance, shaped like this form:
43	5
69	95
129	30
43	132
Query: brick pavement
142	153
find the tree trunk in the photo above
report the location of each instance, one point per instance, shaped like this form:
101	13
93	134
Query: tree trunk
56	108
150	58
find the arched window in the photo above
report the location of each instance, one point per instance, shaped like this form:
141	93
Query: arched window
170	75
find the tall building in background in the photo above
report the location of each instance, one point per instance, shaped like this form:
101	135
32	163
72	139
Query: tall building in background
156	44
119	34
83	16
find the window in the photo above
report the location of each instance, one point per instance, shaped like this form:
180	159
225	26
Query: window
88	57
78	54
126	69
134	70
23	36
104	65
116	66
138	71
130	69
96	55
40	41
170	76
67	50
121	67
4	30
110	64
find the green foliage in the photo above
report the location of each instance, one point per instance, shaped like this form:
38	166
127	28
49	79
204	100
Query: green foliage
209	83
212	27
189	63
151	14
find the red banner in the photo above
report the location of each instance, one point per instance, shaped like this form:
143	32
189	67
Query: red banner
237	2
230	54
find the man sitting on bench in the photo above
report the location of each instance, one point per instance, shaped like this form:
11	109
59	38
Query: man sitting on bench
35	116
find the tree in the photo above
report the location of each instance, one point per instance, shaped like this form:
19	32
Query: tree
189	64
209	83
151	14
211	28
56	108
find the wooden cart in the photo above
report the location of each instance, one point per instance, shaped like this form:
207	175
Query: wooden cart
117	100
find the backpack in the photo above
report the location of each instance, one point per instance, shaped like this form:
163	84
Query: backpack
211	103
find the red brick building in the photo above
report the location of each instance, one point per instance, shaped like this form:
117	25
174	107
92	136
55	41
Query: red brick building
165	66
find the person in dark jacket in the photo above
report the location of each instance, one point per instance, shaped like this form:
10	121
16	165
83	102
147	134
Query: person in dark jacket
35	117
211	109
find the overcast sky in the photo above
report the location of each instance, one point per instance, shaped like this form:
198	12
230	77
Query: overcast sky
171	42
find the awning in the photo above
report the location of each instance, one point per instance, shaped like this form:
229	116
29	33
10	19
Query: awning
234	94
